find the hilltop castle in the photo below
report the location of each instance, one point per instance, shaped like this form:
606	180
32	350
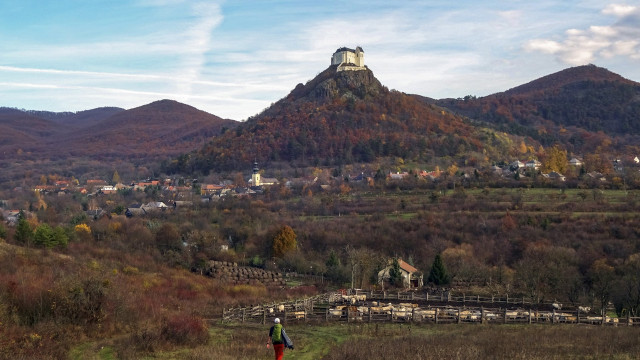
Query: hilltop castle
348	59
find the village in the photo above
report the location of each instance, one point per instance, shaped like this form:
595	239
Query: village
177	192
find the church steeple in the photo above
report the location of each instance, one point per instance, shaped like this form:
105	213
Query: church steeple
255	177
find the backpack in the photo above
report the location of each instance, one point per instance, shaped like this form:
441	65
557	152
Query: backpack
276	336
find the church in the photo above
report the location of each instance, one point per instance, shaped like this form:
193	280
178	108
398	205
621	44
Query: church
257	180
348	59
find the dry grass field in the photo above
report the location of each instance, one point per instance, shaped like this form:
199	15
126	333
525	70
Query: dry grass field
395	341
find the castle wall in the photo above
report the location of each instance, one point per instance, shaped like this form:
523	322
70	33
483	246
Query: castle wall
349	57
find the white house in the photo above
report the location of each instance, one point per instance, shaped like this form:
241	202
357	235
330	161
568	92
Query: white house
398	175
575	162
516	165
533	164
411	277
555	176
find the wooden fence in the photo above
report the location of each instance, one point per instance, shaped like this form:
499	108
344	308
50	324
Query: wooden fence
448	297
339	307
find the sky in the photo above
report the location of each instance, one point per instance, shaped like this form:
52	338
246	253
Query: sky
235	58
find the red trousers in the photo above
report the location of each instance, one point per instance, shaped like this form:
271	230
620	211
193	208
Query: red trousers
279	349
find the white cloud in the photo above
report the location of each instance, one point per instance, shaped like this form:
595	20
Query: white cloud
620	10
580	47
198	42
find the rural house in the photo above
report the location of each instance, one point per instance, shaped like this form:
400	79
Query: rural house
411	277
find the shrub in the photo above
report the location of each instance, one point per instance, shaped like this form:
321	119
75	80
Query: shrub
185	330
83	231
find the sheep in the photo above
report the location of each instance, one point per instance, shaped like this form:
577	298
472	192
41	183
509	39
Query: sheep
299	314
584	309
425	314
363	310
556	305
280	308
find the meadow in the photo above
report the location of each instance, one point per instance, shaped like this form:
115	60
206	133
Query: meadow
395	341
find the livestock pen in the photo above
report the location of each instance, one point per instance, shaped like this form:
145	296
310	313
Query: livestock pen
405	308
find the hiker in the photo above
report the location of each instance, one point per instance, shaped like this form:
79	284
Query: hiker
279	339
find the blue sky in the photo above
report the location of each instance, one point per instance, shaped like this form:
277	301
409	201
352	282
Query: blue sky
235	58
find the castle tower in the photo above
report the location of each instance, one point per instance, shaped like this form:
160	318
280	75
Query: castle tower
255	177
348	59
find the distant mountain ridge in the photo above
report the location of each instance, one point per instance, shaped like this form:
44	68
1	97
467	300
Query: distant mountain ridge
564	107
77	119
162	127
569	76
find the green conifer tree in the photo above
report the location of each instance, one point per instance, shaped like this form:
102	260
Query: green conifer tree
395	275
438	274
24	233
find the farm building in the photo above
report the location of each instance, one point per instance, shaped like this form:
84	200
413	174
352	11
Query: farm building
411	277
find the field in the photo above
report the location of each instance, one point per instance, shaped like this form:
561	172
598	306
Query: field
394	341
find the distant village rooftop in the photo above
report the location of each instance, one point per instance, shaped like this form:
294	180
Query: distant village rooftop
348	59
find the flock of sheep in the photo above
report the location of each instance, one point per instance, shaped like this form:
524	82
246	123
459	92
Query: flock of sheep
357	308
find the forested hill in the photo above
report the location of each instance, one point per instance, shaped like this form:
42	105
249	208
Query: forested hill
164	127
99	140
584	99
338	118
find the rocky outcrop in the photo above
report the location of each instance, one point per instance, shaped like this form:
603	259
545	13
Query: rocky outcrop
331	84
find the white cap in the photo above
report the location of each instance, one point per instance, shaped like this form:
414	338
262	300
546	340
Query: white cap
277	321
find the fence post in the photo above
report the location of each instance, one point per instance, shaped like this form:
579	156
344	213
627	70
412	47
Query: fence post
436	315
326	315
284	318
413	314
243	314
478	299
482	315
264	316
505	315
427	296
507	299
459	317
369	314
553	316
578	316
604	316
628	318
529	316
463	297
